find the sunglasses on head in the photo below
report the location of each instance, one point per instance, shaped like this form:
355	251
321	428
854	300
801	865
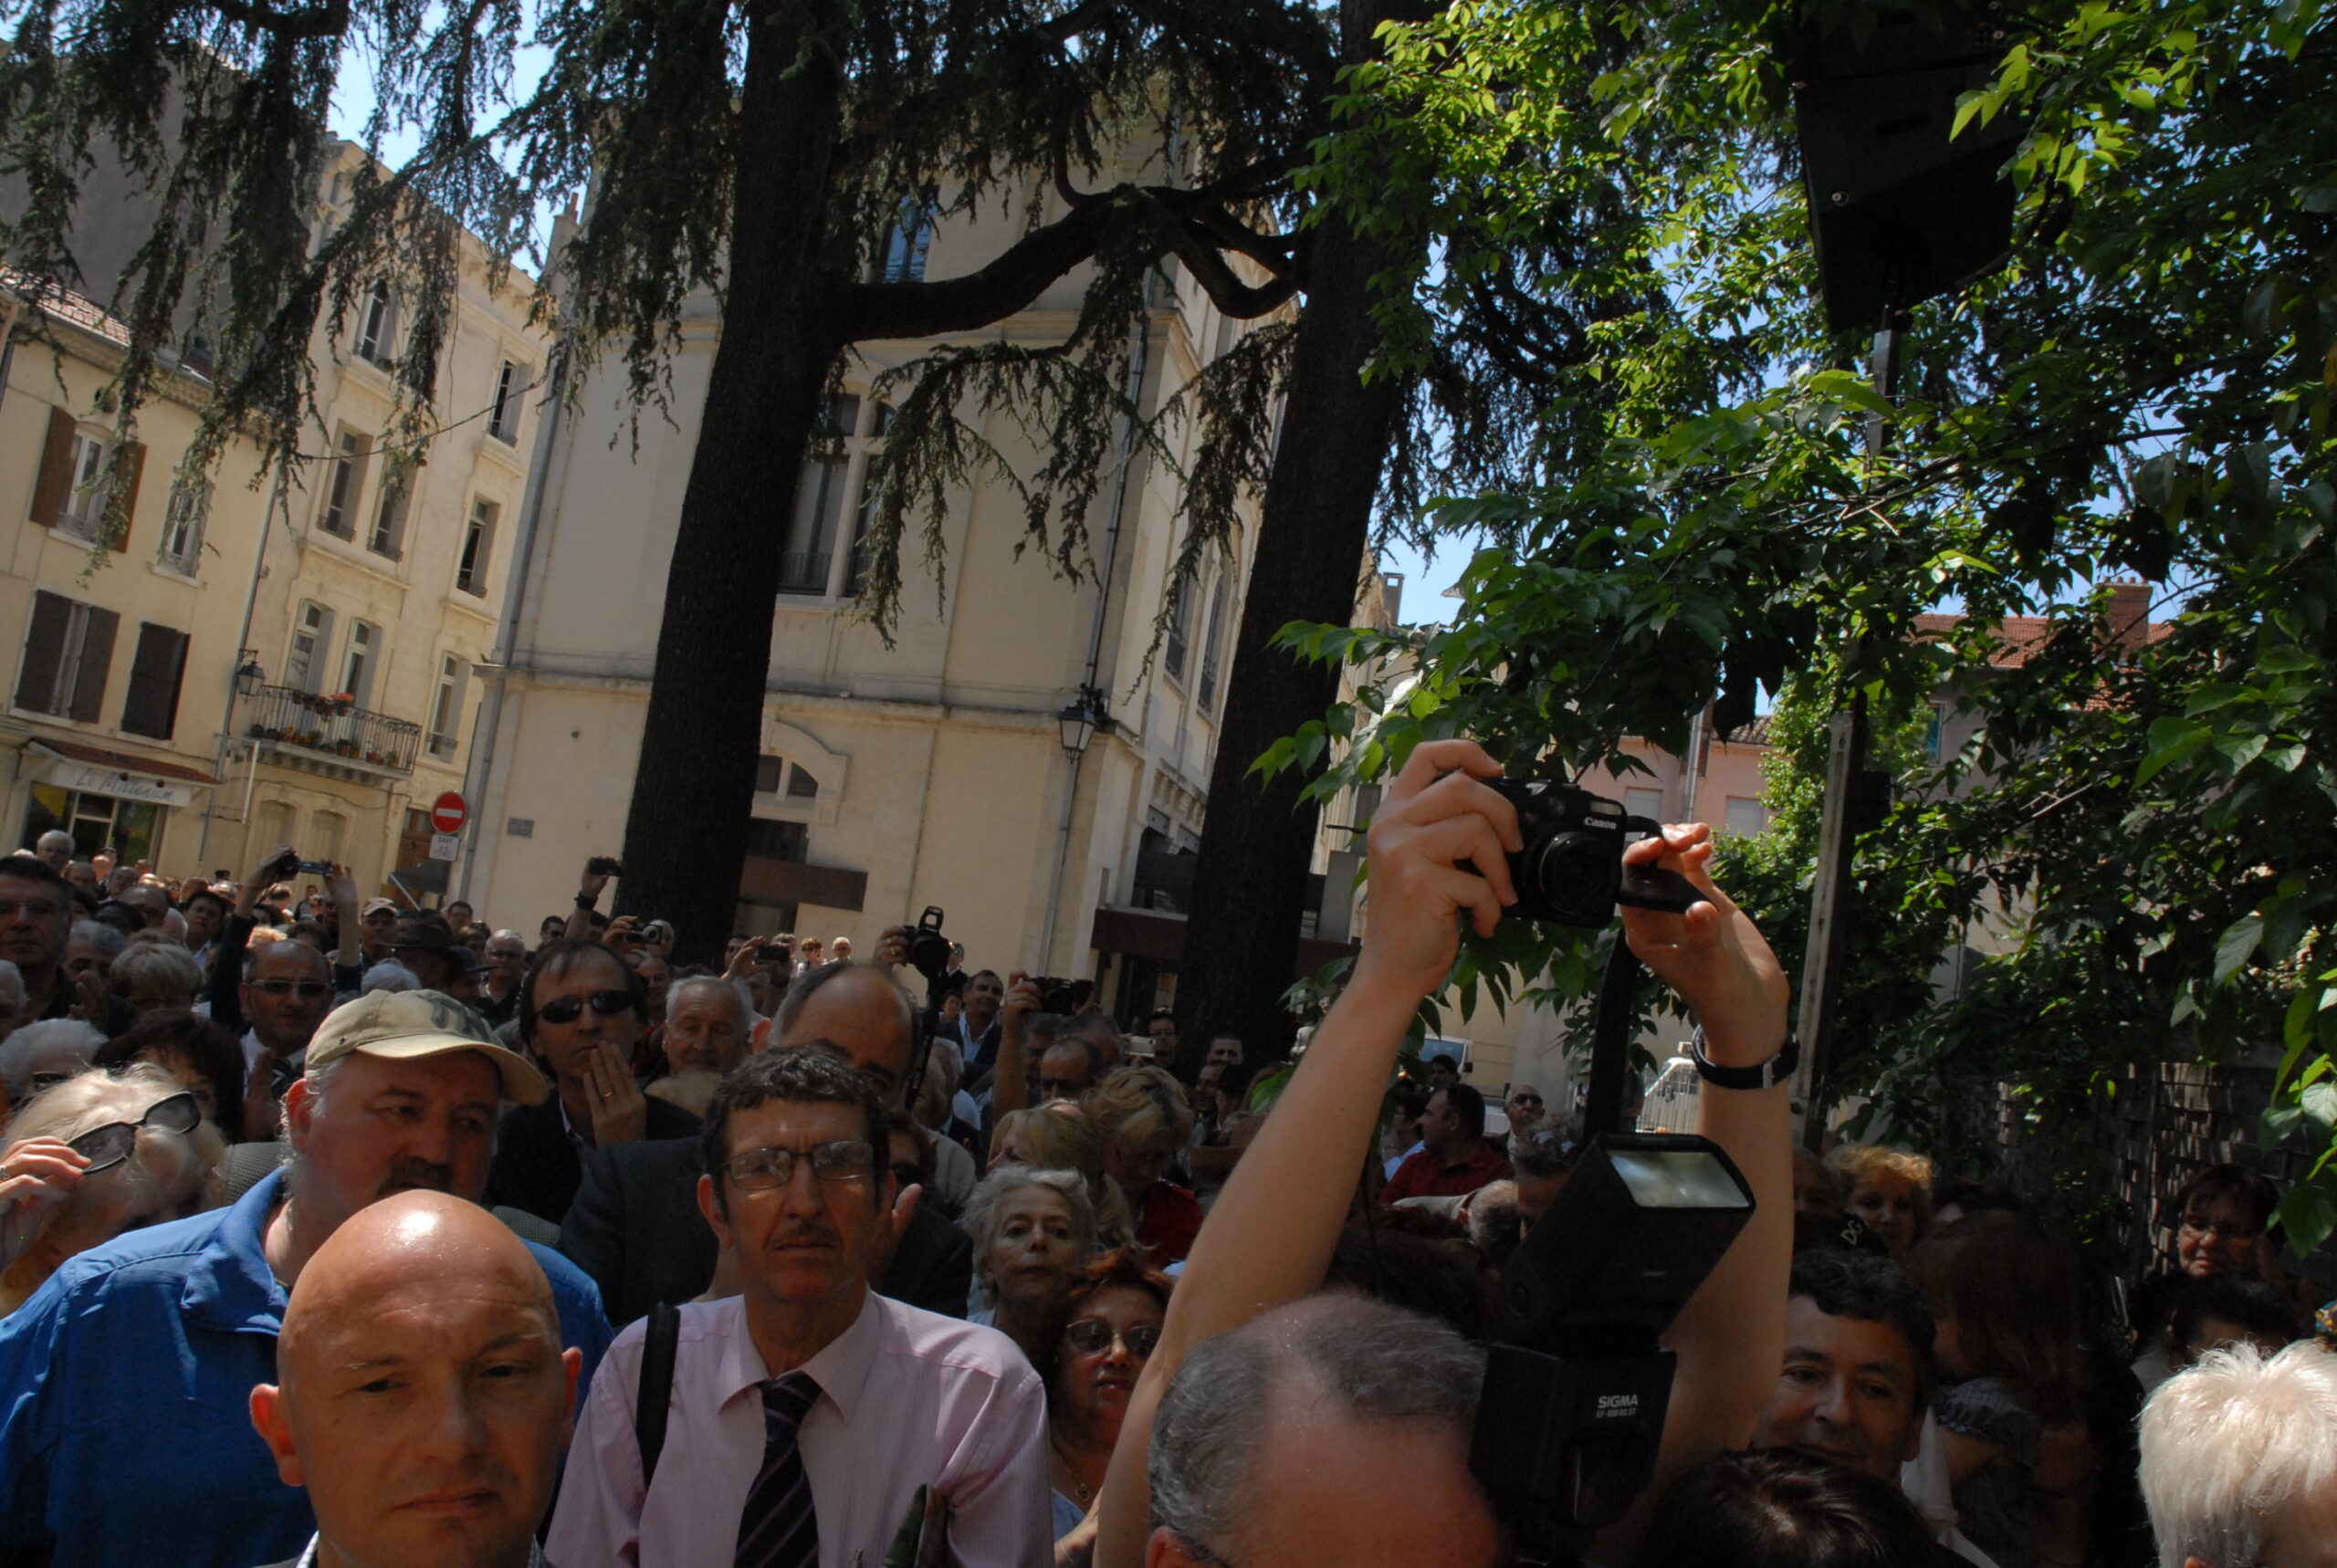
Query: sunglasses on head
568	1010
109	1145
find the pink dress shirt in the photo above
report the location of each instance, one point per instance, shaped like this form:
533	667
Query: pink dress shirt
908	1398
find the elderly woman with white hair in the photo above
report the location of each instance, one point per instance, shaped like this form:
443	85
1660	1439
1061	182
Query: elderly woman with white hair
2239	1460
94	1157
1033	1232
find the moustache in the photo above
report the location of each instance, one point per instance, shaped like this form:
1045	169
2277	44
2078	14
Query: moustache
407	1173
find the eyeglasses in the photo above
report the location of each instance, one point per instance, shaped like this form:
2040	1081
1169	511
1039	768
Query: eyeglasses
307	991
761	1170
38	908
2229	1231
568	1010
1092	1336
1525	1099
109	1145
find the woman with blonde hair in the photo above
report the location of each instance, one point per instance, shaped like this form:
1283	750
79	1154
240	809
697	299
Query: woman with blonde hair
98	1155
1145	1121
1889	1189
1060	1137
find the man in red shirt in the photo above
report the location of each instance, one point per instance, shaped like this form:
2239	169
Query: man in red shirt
1455	1160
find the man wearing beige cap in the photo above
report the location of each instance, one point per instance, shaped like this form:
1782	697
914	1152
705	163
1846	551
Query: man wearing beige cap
124	1433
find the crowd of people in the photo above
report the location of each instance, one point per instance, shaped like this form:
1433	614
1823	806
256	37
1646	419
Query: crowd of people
339	1232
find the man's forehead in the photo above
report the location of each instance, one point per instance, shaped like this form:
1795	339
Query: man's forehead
588	967
20	889
780	1121
285	955
855	1010
449	1073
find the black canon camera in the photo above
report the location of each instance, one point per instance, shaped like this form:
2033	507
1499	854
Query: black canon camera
1571	869
928	949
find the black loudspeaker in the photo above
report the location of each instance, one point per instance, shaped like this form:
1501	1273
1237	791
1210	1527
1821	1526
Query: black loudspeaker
1900	212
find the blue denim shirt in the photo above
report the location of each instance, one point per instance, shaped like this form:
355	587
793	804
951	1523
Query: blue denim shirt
125	1389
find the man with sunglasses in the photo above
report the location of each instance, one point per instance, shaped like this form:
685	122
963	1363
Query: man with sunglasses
806	1413
581	1007
125	1381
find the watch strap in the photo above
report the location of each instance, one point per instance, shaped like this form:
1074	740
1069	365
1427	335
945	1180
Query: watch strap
1768	1075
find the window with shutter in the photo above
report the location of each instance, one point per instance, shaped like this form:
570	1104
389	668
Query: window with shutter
55	480
94	665
1212	641
44	653
389	521
510	390
151	708
344	481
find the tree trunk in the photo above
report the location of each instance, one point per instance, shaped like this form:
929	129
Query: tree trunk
694	789
1250	886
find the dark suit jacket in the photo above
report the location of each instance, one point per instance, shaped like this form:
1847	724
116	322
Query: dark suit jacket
636	1227
536	1167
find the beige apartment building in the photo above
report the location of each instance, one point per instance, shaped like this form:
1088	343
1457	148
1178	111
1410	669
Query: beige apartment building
934	772
255	664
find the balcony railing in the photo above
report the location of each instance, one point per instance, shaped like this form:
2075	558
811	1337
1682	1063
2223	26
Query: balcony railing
332	728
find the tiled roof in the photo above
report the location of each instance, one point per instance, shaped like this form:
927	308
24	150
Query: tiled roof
66	306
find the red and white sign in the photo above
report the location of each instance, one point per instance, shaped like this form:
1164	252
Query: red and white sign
447	813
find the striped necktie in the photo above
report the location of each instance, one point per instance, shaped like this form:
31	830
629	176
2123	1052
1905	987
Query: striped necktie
777	1529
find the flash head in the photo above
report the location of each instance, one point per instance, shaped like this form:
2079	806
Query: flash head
1575	1395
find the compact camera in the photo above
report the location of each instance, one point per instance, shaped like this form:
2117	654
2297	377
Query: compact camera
1571	869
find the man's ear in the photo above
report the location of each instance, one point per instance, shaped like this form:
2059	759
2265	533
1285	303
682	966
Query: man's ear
274	1424
571	1364
1163	1550
709	1205
299	1111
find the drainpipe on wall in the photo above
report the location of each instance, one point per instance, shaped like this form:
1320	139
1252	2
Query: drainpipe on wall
243	640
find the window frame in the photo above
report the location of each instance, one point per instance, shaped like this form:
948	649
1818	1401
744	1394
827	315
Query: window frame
190	530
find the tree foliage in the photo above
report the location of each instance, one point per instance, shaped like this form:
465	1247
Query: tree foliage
2145	389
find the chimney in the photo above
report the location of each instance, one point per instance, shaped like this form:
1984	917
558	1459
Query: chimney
2130	612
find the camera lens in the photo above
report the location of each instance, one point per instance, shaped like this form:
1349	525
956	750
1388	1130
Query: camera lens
1573	865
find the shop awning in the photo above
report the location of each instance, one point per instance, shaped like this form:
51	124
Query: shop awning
95	770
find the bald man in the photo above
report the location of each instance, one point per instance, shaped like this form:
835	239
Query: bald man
424	1397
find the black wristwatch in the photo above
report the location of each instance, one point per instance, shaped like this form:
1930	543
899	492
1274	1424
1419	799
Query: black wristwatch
1777	1069
587	900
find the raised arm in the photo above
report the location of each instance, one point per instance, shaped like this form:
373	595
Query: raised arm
1731	1336
589	888
1010	1082
1269	1239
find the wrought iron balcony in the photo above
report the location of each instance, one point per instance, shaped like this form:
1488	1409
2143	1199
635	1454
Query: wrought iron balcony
332	730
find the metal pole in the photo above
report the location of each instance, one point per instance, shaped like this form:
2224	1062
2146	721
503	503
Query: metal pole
1821	968
1821	963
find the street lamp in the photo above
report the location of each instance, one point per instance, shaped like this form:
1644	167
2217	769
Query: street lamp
249	676
1082	718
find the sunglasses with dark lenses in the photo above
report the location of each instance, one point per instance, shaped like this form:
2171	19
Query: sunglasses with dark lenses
568	1010
307	991
1092	1336
109	1145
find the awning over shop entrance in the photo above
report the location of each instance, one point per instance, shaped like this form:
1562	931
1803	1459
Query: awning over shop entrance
94	771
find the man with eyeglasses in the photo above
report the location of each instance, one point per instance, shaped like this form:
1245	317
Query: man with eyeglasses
635	1225
582	1008
125	1383
507	966
807	1413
